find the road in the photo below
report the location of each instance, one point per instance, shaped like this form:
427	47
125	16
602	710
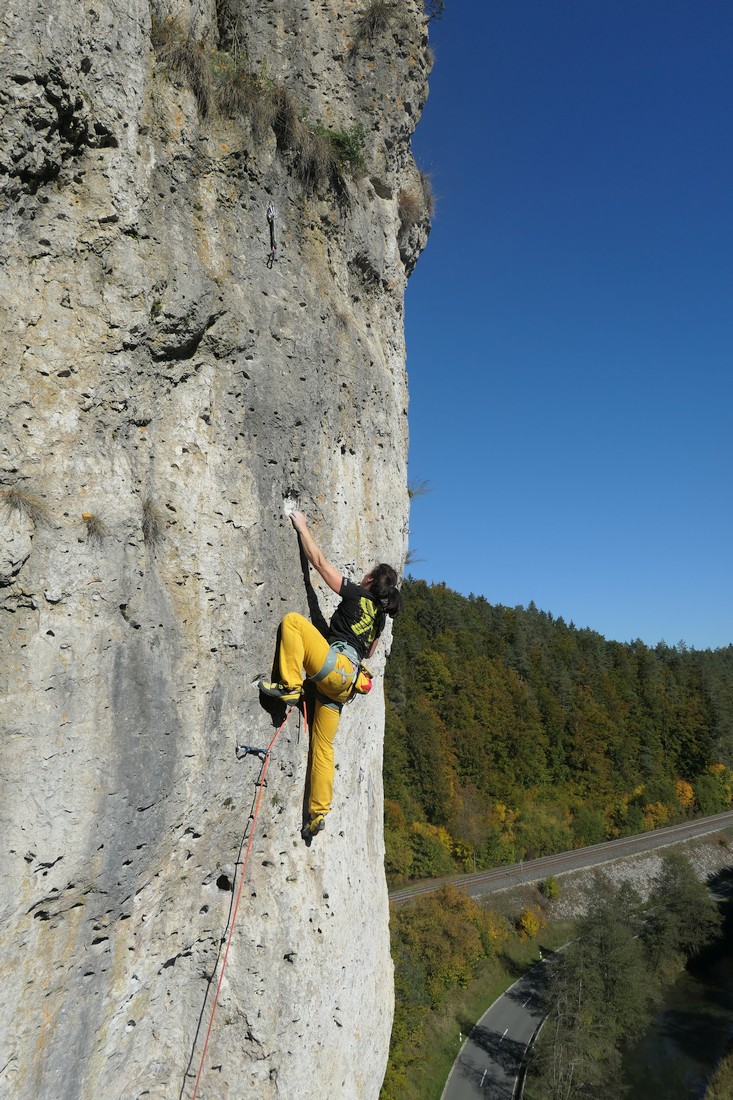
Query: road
489	882
488	1063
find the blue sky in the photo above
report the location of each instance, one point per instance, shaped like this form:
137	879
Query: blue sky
570	324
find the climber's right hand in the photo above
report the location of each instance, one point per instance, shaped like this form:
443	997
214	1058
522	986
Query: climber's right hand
299	521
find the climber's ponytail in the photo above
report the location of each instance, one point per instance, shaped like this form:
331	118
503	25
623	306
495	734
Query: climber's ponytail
384	589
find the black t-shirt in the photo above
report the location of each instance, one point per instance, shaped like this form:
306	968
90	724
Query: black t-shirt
357	620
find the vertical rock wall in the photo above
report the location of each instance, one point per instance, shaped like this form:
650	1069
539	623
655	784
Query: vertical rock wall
162	391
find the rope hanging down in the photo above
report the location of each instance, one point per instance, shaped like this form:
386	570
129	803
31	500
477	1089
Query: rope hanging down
264	756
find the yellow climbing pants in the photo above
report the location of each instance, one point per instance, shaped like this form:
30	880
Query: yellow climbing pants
304	647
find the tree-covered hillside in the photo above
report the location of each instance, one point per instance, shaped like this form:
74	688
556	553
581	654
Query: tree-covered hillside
511	734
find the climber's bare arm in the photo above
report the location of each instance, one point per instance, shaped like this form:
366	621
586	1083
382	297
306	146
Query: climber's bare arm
331	575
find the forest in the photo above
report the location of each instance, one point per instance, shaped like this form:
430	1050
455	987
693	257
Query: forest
600	991
603	989
511	734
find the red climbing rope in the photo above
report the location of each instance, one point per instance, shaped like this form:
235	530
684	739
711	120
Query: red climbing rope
260	786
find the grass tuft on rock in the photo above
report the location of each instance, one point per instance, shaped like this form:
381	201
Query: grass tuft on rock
97	529
373	20
181	53
24	503
321	157
153	522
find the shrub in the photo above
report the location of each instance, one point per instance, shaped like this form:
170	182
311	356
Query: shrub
550	888
348	148
398	852
656	815
589	825
431	851
685	794
322	157
529	923
710	795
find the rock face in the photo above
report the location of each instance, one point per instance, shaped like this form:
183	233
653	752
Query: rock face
163	392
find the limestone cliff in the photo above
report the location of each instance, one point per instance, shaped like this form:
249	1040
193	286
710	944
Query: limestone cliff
163	390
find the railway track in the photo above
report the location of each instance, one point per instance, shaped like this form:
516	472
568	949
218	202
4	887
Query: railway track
501	878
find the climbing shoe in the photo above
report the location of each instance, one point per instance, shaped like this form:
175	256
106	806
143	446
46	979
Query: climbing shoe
279	691
314	826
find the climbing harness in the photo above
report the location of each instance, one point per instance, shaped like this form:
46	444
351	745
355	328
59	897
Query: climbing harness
360	681
264	756
348	680
334	651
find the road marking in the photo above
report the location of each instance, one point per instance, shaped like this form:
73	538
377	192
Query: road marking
505	1031
482	1079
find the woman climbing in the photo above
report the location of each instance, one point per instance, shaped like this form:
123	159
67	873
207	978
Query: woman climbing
333	664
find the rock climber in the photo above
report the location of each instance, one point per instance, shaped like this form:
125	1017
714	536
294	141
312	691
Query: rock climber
335	663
